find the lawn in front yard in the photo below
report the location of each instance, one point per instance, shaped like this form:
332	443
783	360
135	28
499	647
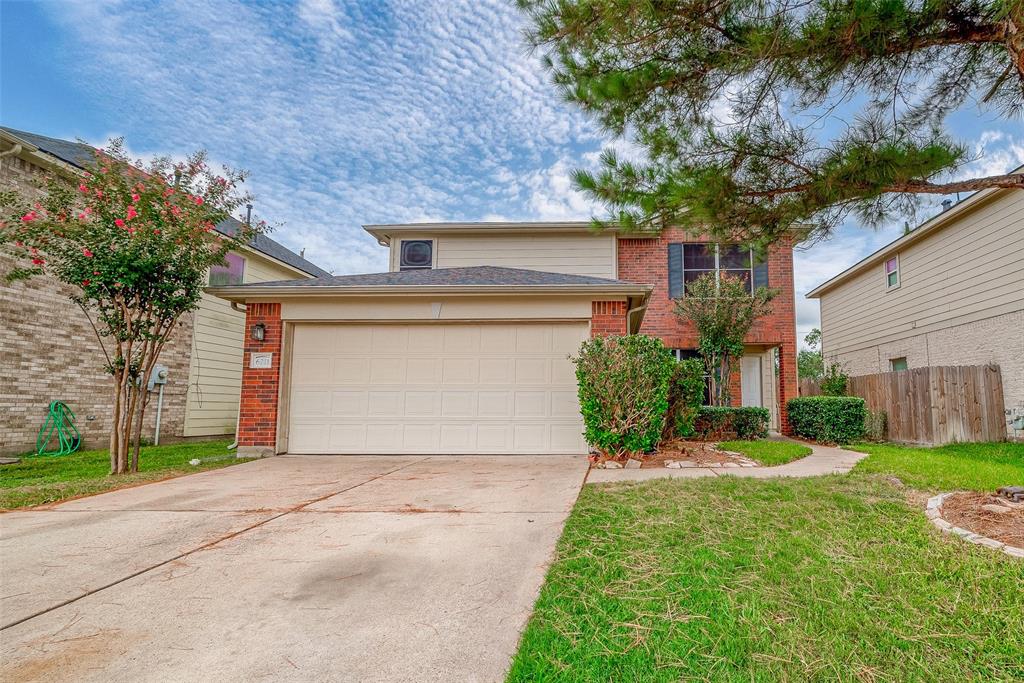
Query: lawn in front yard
768	452
40	479
734	579
970	466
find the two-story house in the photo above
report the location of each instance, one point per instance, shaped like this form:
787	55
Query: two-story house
464	345
949	292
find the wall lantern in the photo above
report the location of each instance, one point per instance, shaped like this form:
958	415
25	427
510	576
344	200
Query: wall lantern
259	330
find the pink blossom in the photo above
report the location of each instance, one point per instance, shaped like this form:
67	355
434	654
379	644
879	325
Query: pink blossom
38	261
198	201
176	211
99	193
132	213
83	187
29	217
85	283
86	252
82	216
156	231
135	199
119	222
95	272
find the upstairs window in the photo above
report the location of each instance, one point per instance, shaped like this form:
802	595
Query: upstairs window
416	255
689	261
892	272
230	273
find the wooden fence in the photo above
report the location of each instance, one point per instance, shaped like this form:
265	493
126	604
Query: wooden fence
933	405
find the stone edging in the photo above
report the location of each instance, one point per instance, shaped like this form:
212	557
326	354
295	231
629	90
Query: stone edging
934	513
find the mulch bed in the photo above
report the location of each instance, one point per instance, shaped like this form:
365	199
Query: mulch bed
965	511
702	453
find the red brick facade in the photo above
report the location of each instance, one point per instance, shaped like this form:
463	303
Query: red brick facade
645	260
260	387
608	318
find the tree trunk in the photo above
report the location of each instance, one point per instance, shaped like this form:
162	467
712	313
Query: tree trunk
115	424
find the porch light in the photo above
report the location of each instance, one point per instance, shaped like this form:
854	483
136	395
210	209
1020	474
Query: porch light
258	331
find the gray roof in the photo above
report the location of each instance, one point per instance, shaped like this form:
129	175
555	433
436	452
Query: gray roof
82	155
473	276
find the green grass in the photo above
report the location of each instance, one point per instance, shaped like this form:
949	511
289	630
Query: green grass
768	452
971	466
46	479
728	579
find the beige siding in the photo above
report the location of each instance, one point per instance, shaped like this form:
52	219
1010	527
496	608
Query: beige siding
215	374
968	271
582	253
960	302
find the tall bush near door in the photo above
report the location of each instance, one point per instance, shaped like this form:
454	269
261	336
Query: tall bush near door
623	392
136	246
723	311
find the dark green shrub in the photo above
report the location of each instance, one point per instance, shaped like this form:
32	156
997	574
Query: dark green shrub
829	419
685	397
623	390
719	423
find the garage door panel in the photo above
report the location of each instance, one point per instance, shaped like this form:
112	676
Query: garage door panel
451	388
460	371
344	371
497	370
532	371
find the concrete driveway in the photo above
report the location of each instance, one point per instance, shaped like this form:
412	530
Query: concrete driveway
291	568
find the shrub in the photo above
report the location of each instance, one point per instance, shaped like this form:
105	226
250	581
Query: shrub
685	397
623	390
833	381
719	422
876	425
829	419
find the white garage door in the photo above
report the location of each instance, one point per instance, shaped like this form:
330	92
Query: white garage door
435	388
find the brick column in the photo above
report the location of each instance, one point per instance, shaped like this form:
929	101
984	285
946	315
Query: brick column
788	385
608	318
257	425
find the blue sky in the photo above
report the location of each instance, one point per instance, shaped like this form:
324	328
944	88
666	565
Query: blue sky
350	113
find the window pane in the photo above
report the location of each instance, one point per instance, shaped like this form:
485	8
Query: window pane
893	278
230	273
734	256
741	274
698	256
899	364
890	265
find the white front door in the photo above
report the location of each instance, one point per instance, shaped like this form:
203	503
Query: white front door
750	381
435	388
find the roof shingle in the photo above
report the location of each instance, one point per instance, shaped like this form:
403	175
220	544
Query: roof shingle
472	276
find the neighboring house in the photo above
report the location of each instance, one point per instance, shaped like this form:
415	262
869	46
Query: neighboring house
464	345
950	292
48	349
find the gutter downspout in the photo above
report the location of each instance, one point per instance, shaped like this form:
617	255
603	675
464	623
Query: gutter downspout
638	309
238	417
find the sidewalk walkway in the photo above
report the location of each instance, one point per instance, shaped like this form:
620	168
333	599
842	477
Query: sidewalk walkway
824	460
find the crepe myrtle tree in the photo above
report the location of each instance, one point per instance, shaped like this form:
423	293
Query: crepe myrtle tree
723	311
753	116
135	241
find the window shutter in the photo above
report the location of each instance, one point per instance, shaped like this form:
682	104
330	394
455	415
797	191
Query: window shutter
761	274
675	271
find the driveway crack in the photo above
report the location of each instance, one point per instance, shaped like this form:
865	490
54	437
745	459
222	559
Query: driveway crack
206	546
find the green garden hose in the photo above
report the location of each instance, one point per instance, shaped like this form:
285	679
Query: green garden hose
60	421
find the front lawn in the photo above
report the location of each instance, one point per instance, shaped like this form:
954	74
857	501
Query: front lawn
768	452
972	466
46	479
735	579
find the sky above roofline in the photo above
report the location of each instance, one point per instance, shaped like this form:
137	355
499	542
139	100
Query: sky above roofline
353	113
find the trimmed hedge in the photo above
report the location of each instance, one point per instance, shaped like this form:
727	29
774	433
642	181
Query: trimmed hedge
623	390
714	422
829	419
685	397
